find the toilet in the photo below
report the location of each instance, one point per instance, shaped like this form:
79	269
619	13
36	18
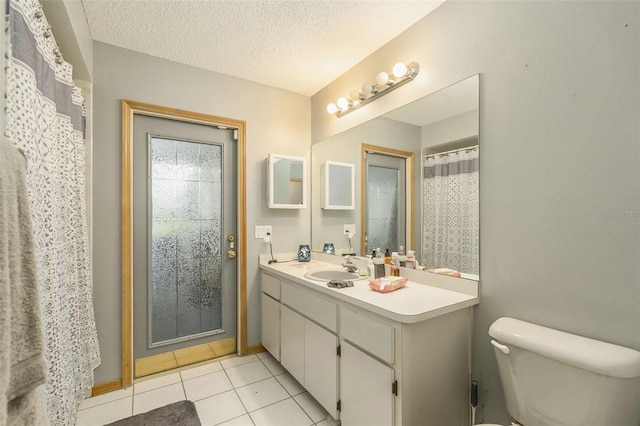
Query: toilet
553	378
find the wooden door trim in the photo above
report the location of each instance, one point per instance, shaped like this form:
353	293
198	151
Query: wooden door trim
129	108
409	163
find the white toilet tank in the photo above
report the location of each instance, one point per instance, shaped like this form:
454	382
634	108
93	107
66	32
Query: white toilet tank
553	378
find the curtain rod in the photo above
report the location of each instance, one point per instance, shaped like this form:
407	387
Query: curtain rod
451	151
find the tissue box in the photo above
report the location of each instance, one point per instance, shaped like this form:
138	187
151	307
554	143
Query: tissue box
388	284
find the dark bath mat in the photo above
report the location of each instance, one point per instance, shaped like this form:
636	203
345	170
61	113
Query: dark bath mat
181	413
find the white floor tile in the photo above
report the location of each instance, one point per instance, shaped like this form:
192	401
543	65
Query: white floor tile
156	382
290	384
264	355
244	420
201	370
155	398
329	421
207	385
311	407
105	397
239	360
106	413
273	366
260	394
219	408
248	373
285	412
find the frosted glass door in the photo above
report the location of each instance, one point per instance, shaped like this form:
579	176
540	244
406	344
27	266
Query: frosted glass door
186	231
184	213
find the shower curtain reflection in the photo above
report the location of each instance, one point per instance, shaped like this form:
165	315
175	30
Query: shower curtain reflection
451	212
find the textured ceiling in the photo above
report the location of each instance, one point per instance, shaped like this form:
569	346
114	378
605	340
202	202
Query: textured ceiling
299	46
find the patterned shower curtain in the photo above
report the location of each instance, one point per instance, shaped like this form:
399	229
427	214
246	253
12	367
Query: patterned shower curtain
451	215
45	118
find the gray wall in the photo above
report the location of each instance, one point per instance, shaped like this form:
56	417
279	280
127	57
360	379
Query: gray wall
560	148
277	121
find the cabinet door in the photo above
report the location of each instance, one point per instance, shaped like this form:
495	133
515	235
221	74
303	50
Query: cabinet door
271	325
365	389
292	343
321	366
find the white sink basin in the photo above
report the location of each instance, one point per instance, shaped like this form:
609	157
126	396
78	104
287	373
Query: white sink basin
331	274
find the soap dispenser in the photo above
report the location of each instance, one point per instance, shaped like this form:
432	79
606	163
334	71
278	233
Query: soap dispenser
378	264
370	267
394	266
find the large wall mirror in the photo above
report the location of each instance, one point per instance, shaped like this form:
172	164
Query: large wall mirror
441	207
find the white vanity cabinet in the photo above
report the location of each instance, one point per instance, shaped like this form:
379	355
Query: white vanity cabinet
367	367
394	373
270	325
308	343
292	343
366	389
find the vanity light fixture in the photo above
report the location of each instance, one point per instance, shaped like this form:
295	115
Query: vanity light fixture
384	83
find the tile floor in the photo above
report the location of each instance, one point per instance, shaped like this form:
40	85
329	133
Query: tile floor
254	391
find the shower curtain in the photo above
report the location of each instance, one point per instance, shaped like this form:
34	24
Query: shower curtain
451	212
45	118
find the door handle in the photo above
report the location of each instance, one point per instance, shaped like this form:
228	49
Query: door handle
231	253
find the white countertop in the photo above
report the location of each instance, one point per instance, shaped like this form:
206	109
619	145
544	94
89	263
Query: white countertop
415	302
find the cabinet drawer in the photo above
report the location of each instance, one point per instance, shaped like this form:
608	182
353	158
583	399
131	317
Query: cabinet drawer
310	305
271	286
368	333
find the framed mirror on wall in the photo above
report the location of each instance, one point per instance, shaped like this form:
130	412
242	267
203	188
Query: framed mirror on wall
287	186
441	130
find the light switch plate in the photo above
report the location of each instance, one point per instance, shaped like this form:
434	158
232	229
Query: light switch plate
262	230
351	228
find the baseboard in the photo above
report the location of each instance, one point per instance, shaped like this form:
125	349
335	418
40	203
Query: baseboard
255	349
106	387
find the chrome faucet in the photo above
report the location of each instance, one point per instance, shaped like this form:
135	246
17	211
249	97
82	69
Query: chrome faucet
349	265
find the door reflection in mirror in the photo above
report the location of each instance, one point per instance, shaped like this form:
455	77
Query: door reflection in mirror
385	221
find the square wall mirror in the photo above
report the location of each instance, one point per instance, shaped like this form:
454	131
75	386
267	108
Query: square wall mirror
338	186
287	182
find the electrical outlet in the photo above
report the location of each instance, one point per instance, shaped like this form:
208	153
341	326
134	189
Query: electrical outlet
351	228
262	230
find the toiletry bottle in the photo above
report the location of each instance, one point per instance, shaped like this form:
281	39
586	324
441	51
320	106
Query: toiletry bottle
387	257
402	257
370	267
378	264
394	266
411	260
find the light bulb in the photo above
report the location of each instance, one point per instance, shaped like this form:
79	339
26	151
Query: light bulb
399	70
367	88
382	78
355	95
343	103
332	108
